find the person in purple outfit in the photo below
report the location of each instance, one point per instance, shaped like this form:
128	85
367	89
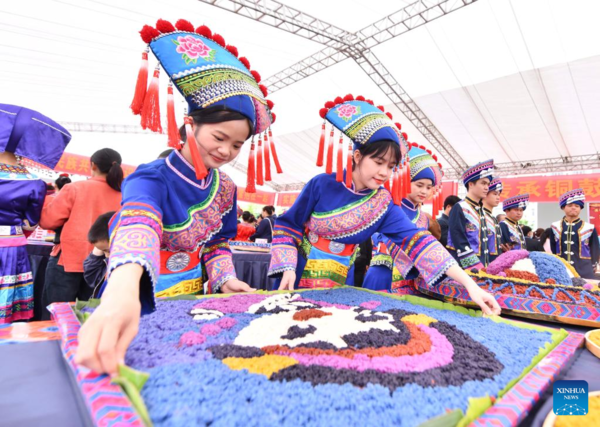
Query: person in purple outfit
23	133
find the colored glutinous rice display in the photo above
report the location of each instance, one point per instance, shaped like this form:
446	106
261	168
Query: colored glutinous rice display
532	284
340	356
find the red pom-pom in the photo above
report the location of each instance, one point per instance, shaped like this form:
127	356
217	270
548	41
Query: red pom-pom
270	104
349	97
149	33
338	100
274	117
413	144
440	165
184	25
245	61
389	115
398	125
429	152
381	108
422	147
360	98
323	112
204	31
233	50
405	136
264	90
329	104
255	75
164	26
434	157
218	39
370	101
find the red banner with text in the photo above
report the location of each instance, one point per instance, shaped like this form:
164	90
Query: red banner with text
74	164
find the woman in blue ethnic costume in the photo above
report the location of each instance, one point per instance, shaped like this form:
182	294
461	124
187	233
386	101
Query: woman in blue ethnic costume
425	174
512	235
314	240
178	213
574	239
494	234
467	226
26	133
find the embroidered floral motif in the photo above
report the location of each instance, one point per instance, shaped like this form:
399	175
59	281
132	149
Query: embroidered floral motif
204	220
351	220
136	243
193	48
346	111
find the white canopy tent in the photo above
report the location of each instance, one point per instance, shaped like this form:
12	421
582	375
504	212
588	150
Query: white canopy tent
513	80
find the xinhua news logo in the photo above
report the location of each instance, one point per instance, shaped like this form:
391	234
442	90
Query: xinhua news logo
570	398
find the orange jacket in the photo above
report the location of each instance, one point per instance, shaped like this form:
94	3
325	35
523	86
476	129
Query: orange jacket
76	207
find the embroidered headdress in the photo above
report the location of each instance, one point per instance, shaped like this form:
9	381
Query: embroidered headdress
495	185
208	73
362	123
573	196
30	134
479	171
520	201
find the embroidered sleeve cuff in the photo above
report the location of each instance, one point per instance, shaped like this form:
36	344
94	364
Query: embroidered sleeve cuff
428	256
283	258
284	250
219	266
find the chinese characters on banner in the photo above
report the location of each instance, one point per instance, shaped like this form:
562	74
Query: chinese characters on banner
542	188
75	164
260	197
550	188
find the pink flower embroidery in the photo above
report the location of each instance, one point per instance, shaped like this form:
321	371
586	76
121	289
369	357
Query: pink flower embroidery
193	48
346	111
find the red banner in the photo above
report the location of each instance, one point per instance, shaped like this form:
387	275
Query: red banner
550	188
75	164
594	215
260	197
286	199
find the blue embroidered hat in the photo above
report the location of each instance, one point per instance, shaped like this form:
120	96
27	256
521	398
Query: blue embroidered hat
209	74
479	171
520	201
496	185
362	123
576	196
423	165
30	134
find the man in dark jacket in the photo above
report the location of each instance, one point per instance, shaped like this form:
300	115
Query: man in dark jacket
443	220
265	228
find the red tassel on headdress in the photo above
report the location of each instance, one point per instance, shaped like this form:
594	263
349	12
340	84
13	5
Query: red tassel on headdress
349	166
259	163
151	108
140	86
274	152
172	129
407	186
250	187
267	159
339	175
321	146
329	166
201	171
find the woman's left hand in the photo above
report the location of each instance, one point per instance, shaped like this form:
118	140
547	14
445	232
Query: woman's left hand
234	285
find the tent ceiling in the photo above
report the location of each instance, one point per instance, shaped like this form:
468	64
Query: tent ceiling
511	80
